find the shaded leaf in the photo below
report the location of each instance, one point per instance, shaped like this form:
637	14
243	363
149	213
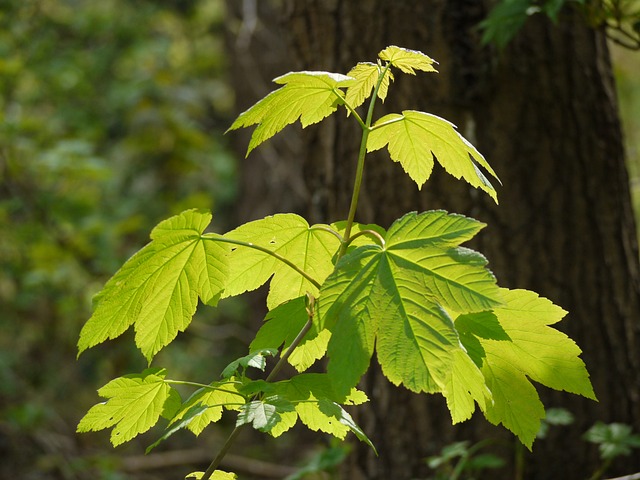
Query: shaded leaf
281	327
134	405
205	406
264	414
255	359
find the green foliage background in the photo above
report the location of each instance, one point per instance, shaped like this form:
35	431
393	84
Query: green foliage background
111	118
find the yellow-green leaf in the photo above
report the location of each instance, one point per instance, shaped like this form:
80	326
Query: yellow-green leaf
307	96
407	60
134	405
523	344
413	138
365	77
157	290
290	236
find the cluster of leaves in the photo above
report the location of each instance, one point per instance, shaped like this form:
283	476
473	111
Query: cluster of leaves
428	308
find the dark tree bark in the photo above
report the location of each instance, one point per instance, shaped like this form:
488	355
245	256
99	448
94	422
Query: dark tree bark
544	114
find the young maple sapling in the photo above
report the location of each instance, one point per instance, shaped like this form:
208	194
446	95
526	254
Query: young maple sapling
429	309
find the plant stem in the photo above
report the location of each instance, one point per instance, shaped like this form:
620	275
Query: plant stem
218	238
236	431
366	128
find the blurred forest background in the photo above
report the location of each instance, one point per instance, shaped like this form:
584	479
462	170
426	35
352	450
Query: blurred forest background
112	118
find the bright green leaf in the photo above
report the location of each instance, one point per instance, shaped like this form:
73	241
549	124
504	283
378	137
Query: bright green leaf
157	290
392	297
308	96
134	405
289	235
464	386
432	228
523	346
407	60
349	308
365	77
414	138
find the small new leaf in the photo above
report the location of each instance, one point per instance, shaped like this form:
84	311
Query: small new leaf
134	405
413	138
308	96
157	290
365	77
407	60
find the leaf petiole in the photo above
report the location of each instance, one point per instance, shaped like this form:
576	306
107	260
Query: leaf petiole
372	233
218	238
236	431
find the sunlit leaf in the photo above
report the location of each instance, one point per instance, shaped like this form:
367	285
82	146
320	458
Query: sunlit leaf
289	235
365	77
157	290
523	347
393	297
217	475
307	96
415	138
407	60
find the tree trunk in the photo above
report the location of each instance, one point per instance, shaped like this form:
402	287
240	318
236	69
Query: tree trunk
544	114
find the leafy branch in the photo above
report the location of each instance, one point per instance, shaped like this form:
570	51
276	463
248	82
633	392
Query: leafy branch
426	306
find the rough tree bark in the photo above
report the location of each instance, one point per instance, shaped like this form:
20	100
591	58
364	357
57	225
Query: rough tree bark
544	114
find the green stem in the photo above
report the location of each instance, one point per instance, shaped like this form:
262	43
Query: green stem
366	128
327	229
287	262
236	431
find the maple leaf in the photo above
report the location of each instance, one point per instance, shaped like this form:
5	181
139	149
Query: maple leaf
365	76
391	297
307	96
514	342
413	138
134	405
157	289
290	236
407	60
